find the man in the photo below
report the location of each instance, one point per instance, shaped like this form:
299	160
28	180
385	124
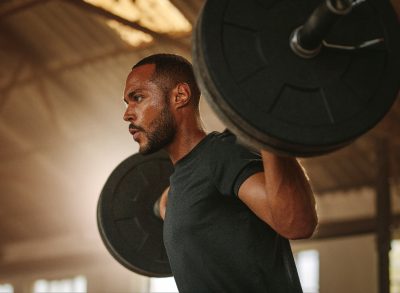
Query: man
228	212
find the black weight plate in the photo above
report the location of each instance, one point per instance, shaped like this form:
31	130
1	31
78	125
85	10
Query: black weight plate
271	98
130	230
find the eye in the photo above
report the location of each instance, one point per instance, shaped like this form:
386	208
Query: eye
137	98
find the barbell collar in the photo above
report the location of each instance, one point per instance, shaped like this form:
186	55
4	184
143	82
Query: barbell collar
306	40
299	49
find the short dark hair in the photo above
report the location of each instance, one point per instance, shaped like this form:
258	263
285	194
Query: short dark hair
170	70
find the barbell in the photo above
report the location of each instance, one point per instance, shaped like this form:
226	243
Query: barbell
128	224
300	78
300	90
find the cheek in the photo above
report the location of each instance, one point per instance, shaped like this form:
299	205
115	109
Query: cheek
150	114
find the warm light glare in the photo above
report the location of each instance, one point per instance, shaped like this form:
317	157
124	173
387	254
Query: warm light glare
75	285
307	263
129	35
124	8
395	267
163	285
162	16
158	15
6	288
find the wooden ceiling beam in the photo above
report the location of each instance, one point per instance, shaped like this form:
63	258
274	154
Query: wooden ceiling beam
20	7
354	227
61	263
322	191
12	81
389	127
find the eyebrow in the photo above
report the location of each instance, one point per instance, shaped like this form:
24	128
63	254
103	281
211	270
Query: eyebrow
130	95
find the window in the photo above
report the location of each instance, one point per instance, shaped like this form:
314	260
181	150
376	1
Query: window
163	285
307	263
6	288
394	268
74	285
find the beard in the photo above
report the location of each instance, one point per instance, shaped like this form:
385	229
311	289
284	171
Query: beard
160	134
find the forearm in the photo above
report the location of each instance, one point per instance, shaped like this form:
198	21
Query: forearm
290	201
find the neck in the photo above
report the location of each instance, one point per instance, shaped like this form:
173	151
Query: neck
188	135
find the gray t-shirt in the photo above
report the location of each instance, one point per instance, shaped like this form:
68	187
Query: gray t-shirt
214	242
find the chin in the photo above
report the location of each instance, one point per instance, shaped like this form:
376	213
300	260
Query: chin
150	149
146	150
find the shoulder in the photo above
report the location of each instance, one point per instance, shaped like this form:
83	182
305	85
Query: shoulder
230	162
224	149
227	143
224	138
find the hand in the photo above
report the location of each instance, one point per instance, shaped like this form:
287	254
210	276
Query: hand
163	203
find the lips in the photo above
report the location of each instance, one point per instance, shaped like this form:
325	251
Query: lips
136	135
134	131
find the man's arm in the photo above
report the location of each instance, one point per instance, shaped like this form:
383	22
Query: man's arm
281	197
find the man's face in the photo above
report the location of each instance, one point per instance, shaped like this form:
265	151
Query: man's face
152	124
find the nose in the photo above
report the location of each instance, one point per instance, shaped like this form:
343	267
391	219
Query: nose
129	114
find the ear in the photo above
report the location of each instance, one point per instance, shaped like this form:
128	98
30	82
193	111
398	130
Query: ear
181	95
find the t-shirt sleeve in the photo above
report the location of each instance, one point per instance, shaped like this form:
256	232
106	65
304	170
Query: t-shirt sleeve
232	164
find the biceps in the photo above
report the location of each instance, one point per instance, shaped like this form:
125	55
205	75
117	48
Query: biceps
252	193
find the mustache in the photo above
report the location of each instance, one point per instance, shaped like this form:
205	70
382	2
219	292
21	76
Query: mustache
135	127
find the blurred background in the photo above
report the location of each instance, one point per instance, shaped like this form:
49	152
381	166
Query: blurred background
62	74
